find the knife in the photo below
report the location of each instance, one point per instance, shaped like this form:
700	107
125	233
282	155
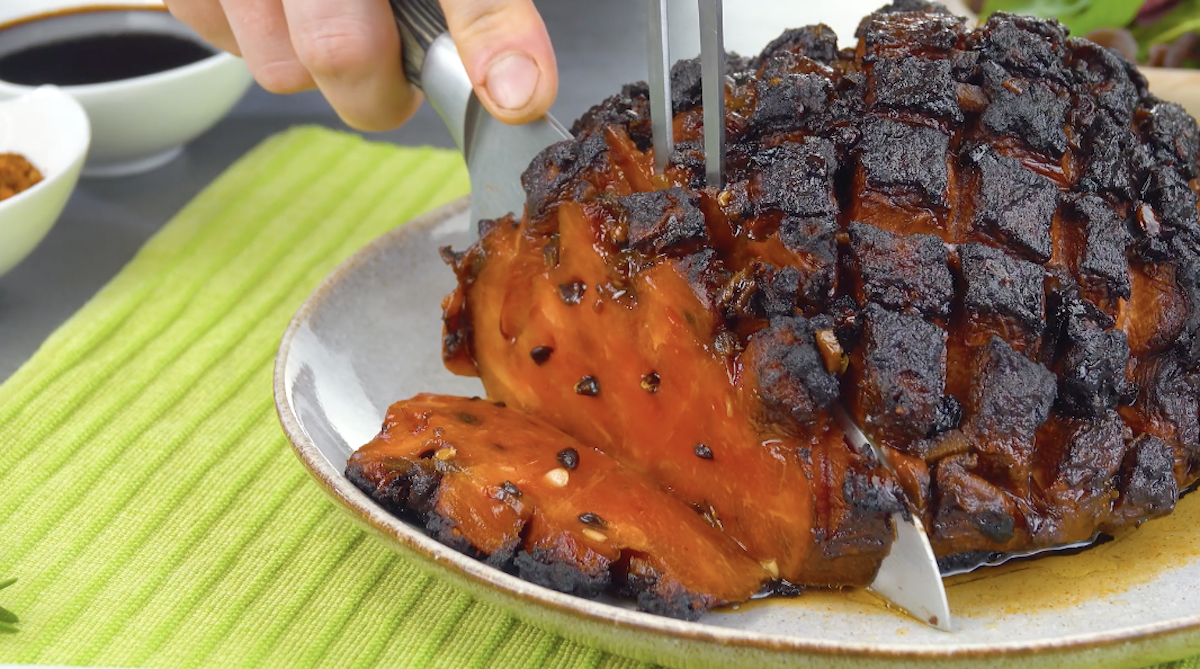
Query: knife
496	152
908	577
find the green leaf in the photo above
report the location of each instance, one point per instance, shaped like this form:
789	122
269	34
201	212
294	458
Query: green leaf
5	584
1080	16
7	616
1185	18
8	629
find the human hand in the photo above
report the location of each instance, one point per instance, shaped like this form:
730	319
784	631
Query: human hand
350	50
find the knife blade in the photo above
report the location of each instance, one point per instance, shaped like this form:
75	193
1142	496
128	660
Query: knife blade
908	577
496	152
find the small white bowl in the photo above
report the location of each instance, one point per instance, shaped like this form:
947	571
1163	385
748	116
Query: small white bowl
141	123
51	130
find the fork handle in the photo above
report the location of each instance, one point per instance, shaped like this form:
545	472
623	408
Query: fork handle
420	23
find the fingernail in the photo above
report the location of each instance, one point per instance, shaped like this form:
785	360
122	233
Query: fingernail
511	80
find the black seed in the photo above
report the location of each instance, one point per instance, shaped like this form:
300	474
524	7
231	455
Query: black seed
499	405
650	382
510	488
593	520
588	385
541	354
571	293
568	457
703	452
467	418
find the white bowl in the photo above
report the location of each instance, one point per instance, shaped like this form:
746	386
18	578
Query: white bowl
141	123
51	130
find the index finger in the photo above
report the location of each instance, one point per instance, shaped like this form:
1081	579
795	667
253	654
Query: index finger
352	50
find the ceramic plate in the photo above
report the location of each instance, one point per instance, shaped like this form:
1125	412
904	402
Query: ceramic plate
371	335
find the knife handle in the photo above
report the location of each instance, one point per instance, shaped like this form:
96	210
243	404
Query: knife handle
420	23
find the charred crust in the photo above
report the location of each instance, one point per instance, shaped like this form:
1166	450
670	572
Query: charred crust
927	28
1114	159
1170	394
1174	138
902	374
900	273
1022	44
1032	110
1174	202
1018	397
796	179
899	157
1146	482
997	284
1014	205
1103	76
816	42
1092	376
814	240
629	109
914	84
548	570
791	376
873	493
664	221
1091	459
679	604
790	102
558	168
1107	240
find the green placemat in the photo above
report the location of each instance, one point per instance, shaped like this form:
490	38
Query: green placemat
149	504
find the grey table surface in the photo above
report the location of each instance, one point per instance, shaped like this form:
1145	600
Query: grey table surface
600	45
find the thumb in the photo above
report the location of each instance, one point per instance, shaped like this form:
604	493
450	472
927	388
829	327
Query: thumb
506	50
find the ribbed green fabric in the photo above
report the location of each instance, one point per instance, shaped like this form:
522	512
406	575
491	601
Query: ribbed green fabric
149	503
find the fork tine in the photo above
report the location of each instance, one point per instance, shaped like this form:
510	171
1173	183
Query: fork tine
712	77
657	50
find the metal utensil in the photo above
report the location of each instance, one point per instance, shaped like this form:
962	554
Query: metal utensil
712	78
908	577
496	152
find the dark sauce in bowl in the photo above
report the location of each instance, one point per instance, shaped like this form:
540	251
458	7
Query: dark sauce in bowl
99	58
95	46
